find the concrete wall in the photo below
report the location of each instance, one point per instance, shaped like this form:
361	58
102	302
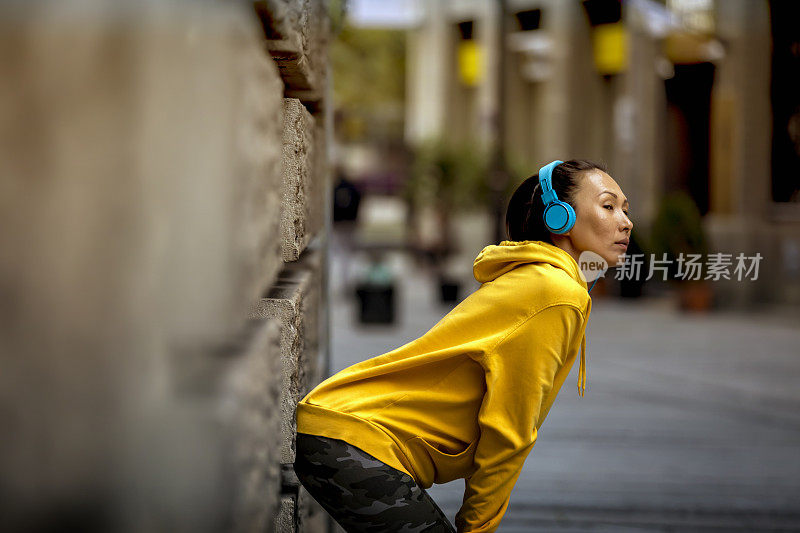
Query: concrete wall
163	182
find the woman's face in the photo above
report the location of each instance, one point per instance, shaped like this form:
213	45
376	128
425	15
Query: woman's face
601	218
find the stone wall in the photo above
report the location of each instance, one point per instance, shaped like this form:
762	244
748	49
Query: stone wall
163	182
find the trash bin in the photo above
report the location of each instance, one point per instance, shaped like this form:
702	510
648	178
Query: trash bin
376	296
448	289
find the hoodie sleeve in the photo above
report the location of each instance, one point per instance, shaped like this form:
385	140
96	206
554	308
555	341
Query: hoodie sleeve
520	375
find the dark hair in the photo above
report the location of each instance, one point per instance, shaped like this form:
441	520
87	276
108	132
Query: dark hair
525	208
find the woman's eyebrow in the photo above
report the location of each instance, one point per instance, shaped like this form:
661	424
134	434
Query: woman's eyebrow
614	195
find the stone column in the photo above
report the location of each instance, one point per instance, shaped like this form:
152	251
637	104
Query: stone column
738	221
429	50
638	116
557	19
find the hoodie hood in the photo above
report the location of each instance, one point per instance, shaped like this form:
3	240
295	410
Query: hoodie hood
497	259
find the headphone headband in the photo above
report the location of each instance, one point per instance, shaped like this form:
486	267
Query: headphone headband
546	173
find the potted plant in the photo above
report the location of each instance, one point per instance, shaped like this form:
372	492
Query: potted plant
678	229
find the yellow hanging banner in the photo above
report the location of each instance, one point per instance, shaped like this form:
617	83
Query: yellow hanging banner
610	43
470	68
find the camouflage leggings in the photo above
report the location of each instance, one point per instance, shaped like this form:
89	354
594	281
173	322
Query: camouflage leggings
362	493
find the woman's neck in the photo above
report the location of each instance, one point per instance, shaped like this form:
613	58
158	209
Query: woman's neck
565	243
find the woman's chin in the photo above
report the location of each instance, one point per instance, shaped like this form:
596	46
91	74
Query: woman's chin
615	260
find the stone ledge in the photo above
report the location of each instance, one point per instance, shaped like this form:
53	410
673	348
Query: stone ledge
285	517
290	483
294	302
292	64
299	190
313	99
297	33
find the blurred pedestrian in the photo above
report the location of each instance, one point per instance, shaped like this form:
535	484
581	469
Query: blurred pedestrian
466	399
346	204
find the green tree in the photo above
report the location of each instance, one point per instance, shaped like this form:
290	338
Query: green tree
369	82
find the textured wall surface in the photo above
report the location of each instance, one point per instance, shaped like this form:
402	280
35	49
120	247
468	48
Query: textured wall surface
298	157
293	301
142	173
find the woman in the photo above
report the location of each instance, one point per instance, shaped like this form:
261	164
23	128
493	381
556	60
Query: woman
467	398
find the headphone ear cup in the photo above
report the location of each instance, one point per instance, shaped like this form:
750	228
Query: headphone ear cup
559	217
571	217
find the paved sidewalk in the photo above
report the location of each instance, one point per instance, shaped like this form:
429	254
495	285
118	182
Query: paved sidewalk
689	423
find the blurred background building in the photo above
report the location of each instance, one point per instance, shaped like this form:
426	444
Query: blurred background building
687	99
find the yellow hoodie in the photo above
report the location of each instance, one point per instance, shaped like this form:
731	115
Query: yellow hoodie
467	398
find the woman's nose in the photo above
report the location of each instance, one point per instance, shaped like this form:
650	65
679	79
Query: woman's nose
627	223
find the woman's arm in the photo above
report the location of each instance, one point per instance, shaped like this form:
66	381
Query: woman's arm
520	374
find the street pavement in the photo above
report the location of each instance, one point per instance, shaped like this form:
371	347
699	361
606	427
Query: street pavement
689	423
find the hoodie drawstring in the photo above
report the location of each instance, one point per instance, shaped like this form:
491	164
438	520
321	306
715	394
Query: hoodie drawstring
582	369
582	366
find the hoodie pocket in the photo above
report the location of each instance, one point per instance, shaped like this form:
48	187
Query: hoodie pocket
436	466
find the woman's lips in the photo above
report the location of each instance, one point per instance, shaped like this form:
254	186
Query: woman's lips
621	245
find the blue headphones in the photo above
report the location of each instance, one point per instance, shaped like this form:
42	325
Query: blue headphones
559	217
